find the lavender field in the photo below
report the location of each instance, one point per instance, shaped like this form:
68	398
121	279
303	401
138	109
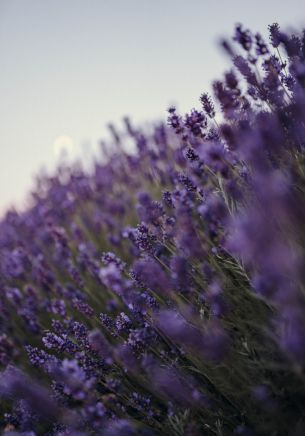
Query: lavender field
163	293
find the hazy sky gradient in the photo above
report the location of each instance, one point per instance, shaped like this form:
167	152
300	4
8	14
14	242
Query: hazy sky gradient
70	66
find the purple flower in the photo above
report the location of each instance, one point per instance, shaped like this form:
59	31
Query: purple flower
195	122
207	105
122	322
275	35
175	121
151	274
74	379
15	384
120	427
82	307
243	37
99	344
8	350
108	258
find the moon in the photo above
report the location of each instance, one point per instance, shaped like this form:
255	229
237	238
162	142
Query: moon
63	145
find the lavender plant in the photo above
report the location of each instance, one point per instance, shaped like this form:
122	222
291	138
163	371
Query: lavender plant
163	293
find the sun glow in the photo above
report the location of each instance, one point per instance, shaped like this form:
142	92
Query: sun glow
63	145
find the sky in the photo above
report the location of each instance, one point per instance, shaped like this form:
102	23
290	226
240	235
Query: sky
69	67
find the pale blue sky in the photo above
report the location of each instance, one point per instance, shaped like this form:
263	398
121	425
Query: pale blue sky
70	66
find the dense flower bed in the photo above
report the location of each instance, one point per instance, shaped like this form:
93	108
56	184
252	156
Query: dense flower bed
163	293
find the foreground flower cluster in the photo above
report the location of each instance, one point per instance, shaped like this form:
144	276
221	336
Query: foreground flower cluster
163	294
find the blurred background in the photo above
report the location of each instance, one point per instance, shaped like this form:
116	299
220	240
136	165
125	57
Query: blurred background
68	67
